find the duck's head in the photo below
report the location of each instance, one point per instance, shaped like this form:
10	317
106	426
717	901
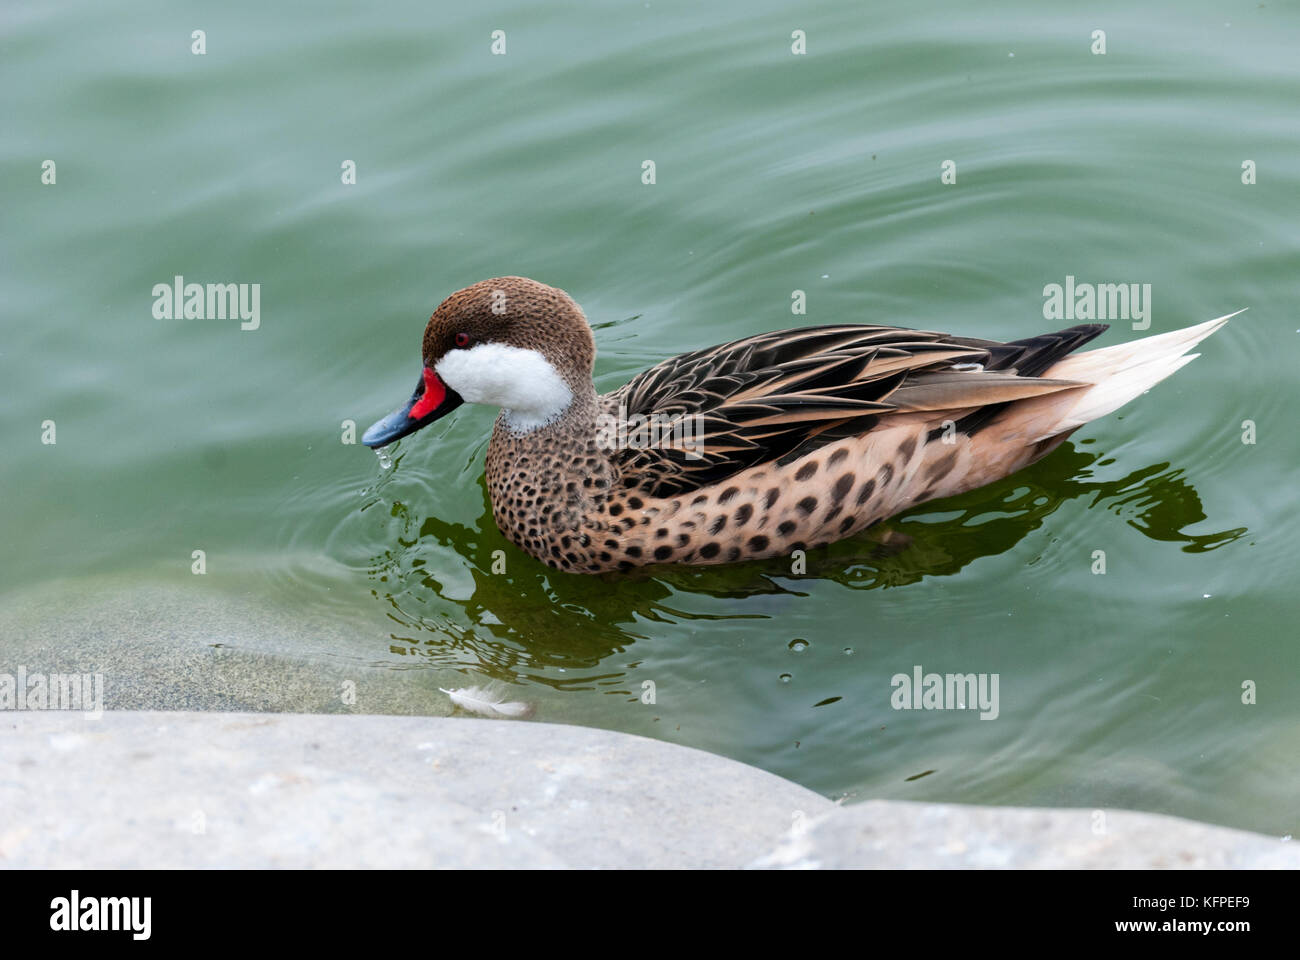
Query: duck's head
511	343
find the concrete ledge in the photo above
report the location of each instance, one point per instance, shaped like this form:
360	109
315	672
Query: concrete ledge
292	790
899	834
153	789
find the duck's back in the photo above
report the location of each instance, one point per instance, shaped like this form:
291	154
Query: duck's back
789	440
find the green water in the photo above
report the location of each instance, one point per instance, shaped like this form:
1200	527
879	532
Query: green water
774	173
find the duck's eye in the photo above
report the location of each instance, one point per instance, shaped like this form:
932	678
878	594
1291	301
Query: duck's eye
462	339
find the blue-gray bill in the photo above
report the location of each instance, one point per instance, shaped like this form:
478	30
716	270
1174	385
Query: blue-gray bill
431	401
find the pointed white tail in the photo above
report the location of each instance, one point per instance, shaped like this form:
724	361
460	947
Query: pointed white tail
1119	374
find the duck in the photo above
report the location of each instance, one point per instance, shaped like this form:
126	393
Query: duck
755	448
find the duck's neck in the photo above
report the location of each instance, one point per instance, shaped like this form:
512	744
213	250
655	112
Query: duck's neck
545	482
546	427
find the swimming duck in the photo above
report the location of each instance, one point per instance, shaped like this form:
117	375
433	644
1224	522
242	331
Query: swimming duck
755	448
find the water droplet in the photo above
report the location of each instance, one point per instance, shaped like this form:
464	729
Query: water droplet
786	678
798	645
385	461
848	651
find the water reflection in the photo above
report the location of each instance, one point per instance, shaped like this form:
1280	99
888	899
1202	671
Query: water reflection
530	620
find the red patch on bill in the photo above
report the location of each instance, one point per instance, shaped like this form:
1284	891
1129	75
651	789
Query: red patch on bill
434	393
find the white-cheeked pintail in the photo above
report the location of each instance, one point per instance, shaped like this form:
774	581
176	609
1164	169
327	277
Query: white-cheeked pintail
796	438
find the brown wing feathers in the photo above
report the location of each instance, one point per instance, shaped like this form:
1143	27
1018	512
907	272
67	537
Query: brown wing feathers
778	396
1028	358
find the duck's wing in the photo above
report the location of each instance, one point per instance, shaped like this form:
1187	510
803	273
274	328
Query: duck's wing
701	417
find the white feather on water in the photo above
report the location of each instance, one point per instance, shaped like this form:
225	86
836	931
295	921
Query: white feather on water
489	701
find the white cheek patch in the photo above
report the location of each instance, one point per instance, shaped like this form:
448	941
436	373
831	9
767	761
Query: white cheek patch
521	382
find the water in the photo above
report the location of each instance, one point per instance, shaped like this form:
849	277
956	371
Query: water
774	173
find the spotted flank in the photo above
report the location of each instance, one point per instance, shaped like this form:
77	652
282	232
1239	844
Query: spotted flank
797	438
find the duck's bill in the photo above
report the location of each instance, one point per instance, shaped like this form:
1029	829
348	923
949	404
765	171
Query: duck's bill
431	401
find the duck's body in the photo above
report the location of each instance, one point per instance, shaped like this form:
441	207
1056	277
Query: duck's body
755	448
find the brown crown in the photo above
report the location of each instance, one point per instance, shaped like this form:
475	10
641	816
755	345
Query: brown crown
519	312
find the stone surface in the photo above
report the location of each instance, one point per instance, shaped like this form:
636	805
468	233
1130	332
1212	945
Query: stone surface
155	789
228	790
898	834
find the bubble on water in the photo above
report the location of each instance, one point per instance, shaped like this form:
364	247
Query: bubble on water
786	678
385	461
798	645
848	651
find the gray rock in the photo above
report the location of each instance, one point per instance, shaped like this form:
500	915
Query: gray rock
899	834
146	789
282	790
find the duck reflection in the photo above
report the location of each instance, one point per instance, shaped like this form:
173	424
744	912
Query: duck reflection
528	619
